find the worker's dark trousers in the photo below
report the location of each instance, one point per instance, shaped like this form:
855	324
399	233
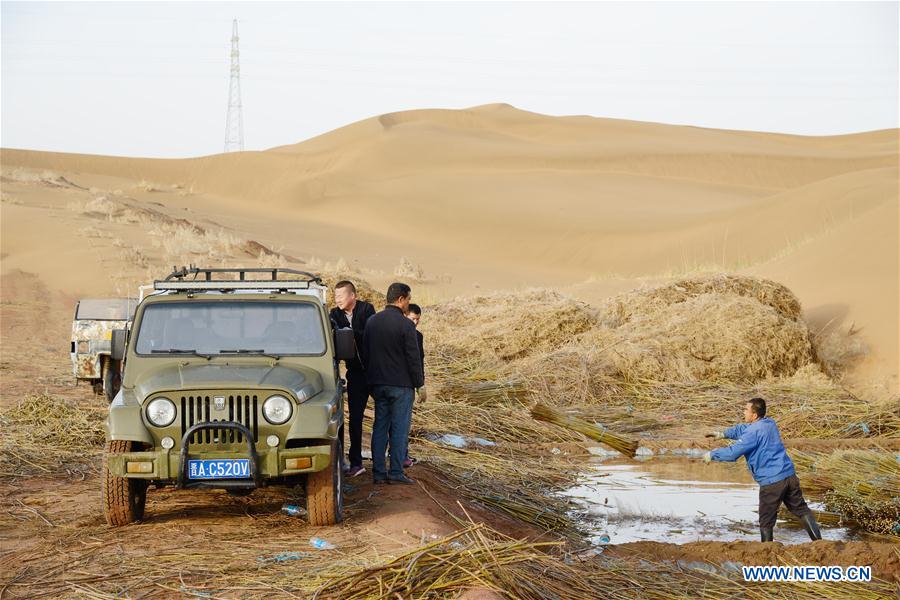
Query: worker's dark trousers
771	496
357	398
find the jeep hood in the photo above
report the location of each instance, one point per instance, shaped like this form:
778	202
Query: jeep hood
302	382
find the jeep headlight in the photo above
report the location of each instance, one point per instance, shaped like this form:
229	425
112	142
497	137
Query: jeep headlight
277	409
161	412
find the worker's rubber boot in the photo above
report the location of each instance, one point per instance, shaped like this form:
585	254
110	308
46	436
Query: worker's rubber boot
812	528
766	534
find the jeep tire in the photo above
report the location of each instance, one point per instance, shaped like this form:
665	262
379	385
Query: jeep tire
324	496
123	498
111	378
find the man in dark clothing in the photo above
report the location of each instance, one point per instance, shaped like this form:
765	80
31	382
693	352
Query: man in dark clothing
353	313
390	353
415	315
759	440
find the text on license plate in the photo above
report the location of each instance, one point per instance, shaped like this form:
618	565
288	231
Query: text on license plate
221	468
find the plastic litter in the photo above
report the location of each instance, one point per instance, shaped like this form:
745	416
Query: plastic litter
321	544
294	510
458	441
451	439
483	442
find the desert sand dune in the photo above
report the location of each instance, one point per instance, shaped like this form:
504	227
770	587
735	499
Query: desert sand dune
493	197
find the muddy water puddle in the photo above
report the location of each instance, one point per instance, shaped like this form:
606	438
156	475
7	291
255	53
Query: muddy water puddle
678	500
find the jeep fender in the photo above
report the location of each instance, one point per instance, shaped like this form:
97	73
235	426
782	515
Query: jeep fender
125	421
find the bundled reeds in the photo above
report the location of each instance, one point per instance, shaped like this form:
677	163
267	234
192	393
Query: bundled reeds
723	328
500	328
636	304
812	411
862	486
481	558
518	482
626	446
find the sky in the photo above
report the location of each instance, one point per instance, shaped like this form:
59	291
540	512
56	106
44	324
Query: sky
151	79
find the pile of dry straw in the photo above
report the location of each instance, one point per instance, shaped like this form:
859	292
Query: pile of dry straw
696	348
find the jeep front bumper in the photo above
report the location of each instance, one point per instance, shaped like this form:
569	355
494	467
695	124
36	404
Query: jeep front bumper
266	463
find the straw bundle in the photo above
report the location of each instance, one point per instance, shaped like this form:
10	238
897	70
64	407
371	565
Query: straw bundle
504	327
627	447
636	304
726	329
863	486
720	337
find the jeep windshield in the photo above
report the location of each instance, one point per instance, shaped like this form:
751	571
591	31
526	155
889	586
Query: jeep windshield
112	309
250	327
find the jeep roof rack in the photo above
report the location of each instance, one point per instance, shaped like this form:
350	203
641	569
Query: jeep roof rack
194	278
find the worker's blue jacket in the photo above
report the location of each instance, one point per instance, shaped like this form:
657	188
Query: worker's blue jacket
760	442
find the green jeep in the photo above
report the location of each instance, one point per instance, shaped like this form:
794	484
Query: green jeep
231	383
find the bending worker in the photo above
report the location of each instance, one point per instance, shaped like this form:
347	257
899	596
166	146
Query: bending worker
759	440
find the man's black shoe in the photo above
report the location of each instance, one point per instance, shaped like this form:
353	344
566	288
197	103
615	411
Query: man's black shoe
402	479
379	481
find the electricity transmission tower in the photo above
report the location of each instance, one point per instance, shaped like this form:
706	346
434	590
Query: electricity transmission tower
234	122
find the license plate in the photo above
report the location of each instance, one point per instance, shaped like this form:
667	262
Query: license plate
219	468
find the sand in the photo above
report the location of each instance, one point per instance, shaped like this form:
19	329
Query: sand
494	198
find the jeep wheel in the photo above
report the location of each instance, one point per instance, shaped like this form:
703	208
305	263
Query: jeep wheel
324	496
123	498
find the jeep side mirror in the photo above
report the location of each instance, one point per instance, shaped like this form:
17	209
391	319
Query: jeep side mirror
117	349
344	344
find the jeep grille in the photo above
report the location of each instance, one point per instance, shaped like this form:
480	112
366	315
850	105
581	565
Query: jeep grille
199	409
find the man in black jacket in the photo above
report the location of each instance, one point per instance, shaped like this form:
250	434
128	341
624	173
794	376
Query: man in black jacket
353	313
415	315
390	352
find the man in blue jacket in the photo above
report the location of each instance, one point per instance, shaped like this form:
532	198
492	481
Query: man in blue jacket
759	441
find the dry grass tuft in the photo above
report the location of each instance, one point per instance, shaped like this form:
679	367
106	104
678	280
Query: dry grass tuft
45	177
407	270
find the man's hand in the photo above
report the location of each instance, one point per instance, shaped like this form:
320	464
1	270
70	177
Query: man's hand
707	458
716	435
423	394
